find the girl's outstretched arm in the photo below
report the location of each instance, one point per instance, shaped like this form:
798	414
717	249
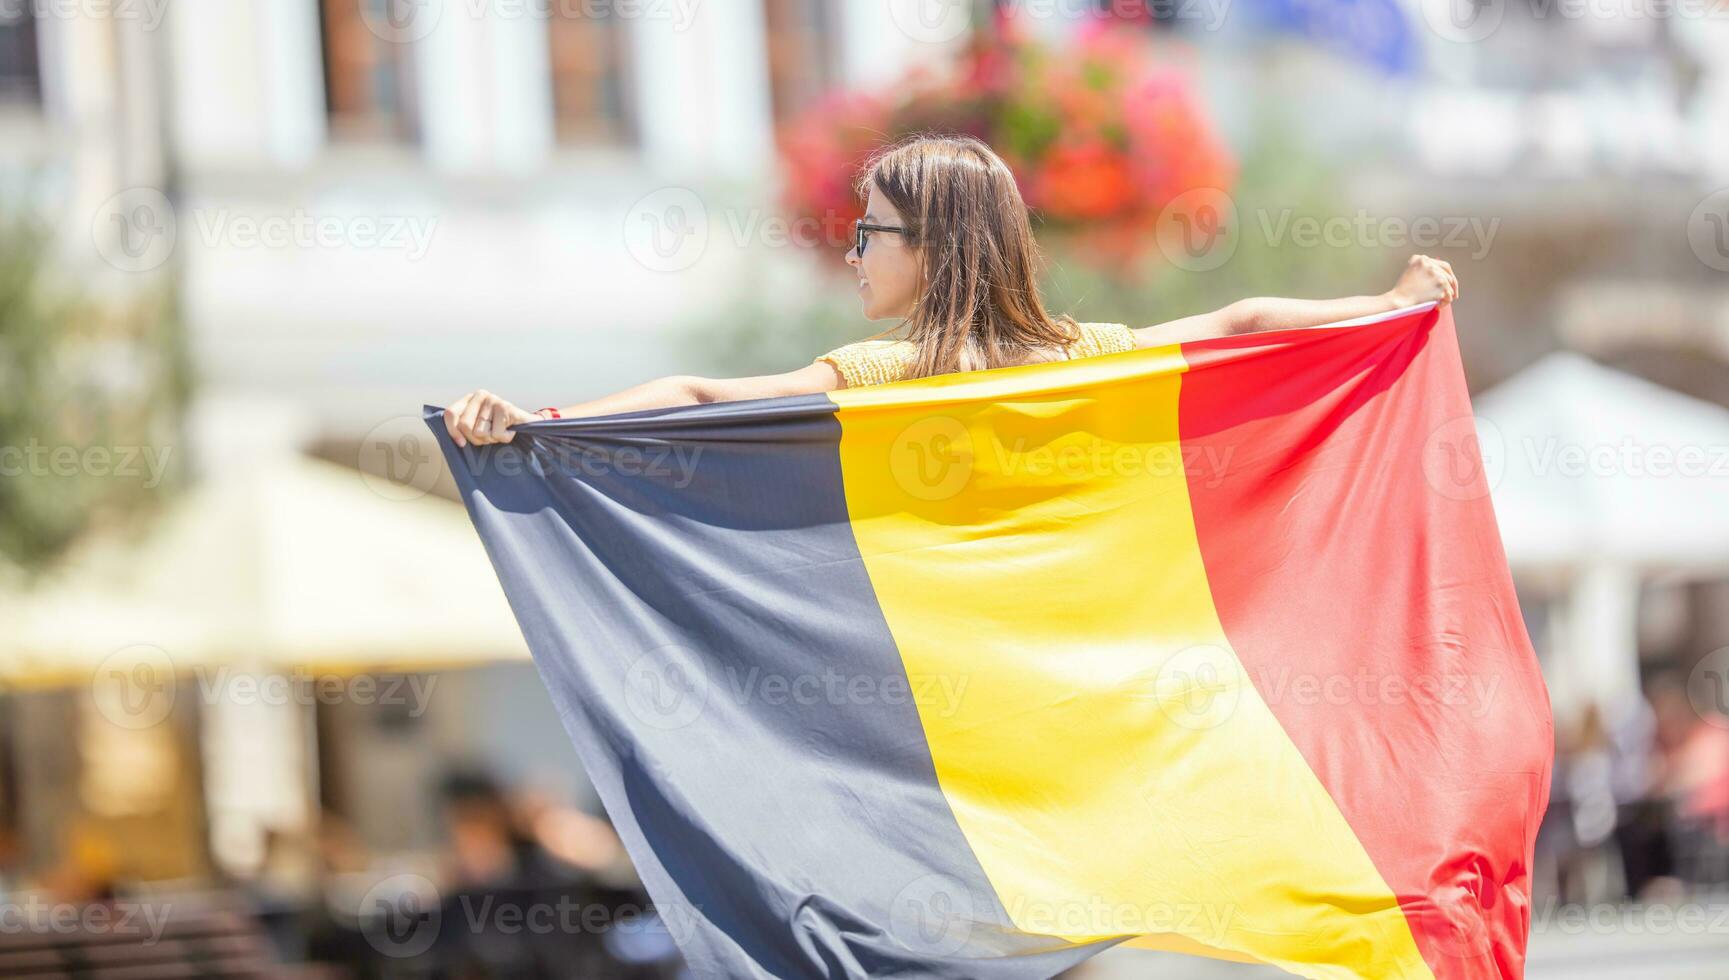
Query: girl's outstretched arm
481	417
1423	280
463	418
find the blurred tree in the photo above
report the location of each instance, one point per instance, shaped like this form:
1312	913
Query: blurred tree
1279	189
92	392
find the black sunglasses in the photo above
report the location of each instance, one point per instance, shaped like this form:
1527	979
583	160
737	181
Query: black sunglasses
861	227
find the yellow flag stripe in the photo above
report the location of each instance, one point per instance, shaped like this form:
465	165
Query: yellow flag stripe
1028	535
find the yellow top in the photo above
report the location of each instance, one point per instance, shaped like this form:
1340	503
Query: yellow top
875	362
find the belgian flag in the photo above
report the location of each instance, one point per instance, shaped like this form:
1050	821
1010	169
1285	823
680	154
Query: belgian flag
1210	647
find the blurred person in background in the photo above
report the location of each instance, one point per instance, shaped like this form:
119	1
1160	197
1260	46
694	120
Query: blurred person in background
285	894
1641	825
327	934
1587	769
489	845
946	248
1693	782
581	840
543	887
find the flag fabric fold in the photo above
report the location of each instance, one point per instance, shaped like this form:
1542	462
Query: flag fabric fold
1209	648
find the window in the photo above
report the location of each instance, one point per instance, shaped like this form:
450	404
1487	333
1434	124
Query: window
368	82
803	52
590	61
20	79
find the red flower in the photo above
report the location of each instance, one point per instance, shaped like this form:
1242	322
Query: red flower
1084	181
1101	136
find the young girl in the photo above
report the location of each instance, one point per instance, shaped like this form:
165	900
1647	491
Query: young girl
945	247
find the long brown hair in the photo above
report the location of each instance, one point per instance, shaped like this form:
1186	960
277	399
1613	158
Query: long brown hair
979	305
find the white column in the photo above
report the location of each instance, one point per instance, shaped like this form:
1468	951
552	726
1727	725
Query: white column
218	113
1602	637
257	741
1566	694
293	82
521	88
245	81
882	41
702	89
86	101
484	87
451	85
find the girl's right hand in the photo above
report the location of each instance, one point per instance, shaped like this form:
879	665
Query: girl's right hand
483	418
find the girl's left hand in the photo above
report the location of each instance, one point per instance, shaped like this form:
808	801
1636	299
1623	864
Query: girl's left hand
482	417
1425	279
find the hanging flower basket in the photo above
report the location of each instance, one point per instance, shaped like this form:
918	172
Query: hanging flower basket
1103	135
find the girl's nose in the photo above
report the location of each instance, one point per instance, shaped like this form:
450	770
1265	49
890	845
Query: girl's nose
852	256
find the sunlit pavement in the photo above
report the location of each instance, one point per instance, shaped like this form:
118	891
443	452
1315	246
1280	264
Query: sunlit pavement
1646	945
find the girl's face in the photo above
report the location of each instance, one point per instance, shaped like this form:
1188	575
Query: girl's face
889	269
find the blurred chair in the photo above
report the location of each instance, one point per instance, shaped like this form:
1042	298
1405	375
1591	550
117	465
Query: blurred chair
200	937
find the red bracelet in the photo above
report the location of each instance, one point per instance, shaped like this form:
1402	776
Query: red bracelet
551	413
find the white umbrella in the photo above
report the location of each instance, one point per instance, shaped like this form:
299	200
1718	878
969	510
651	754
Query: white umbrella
1599	478
1588	464
287	561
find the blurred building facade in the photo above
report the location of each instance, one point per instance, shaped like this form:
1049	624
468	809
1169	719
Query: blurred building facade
373	203
370	204
365	205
